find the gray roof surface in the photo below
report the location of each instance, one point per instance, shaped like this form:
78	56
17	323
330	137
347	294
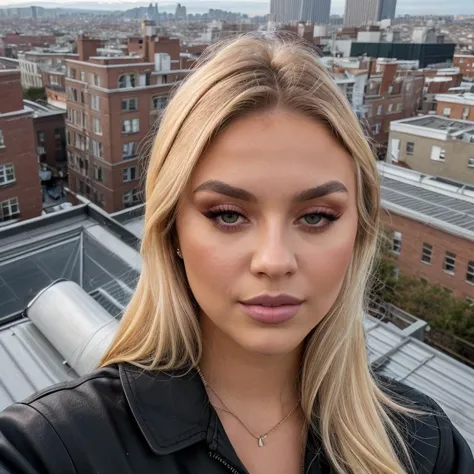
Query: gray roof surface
29	363
436	122
420	366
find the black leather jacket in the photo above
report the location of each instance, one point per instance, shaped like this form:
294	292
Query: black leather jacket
120	420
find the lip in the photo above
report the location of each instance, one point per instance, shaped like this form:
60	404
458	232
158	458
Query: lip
273	300
272	309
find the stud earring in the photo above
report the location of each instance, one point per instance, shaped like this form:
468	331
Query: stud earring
178	252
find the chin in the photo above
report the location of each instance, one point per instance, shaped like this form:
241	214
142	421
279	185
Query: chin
270	341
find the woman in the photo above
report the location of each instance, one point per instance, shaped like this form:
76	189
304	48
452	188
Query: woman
242	349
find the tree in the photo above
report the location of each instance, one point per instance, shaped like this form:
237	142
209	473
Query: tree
34	93
427	301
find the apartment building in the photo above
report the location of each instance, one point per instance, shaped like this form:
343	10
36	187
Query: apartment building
456	106
438	81
434	145
465	62
12	44
50	137
393	92
34	63
113	104
20	190
431	223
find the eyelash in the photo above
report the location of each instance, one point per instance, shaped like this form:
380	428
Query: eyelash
216	212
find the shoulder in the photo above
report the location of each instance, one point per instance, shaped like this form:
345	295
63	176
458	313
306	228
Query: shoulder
436	445
36	432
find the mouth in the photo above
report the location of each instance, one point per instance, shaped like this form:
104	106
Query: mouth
271	313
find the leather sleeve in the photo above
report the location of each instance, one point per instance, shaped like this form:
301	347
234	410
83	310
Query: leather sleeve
454	455
30	445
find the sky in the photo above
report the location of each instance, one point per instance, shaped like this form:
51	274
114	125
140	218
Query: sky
260	7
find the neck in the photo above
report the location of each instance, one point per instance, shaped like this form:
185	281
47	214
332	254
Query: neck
240	375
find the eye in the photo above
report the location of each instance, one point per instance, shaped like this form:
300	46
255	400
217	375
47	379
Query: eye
226	218
313	219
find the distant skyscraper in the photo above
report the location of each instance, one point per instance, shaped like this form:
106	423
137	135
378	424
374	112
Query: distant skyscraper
313	11
361	12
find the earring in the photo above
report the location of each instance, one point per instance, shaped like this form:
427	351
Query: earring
178	253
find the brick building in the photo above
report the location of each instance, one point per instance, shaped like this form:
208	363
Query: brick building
113	103
392	93
457	106
438	81
20	190
14	43
50	137
435	146
432	228
465	62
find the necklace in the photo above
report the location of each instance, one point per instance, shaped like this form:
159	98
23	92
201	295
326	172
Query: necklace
260	439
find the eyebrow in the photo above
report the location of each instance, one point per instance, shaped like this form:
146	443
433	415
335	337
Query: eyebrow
238	193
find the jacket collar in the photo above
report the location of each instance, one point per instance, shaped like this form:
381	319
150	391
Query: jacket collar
171	409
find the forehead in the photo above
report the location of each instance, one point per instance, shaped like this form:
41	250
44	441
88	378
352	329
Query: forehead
277	148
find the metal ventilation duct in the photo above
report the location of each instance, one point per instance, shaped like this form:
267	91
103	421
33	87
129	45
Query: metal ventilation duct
74	323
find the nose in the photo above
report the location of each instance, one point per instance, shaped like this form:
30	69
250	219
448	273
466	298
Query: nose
274	255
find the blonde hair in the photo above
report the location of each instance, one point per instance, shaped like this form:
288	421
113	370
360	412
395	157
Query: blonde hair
160	330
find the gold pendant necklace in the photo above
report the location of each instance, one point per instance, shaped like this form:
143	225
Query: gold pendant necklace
260	439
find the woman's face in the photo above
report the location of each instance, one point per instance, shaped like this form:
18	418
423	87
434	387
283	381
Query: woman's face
270	211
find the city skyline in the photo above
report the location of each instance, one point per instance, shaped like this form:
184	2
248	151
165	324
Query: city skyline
258	7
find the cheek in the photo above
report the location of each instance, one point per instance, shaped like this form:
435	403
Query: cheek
329	263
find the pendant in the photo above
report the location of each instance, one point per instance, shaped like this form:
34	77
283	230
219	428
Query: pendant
260	442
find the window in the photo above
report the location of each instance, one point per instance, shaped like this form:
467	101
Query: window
129	104
437	153
376	128
410	148
72	73
470	271
409	87
99	174
130	126
159	102
129	150
126	80
427	253
447	111
470	162
57	134
83	76
396	242
2	140
399	107
95	80
96	126
74	94
97	148
130	173
449	262
7	174
95	102
40	137
82	98
390	108
465	113
390	89
98	198
131	198
9	209
379	109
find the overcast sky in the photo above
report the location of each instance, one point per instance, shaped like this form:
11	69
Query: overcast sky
437	7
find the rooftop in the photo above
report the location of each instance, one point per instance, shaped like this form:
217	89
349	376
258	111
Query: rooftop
444	204
433	126
96	253
465	98
42	110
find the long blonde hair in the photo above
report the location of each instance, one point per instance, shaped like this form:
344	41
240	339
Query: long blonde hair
160	330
